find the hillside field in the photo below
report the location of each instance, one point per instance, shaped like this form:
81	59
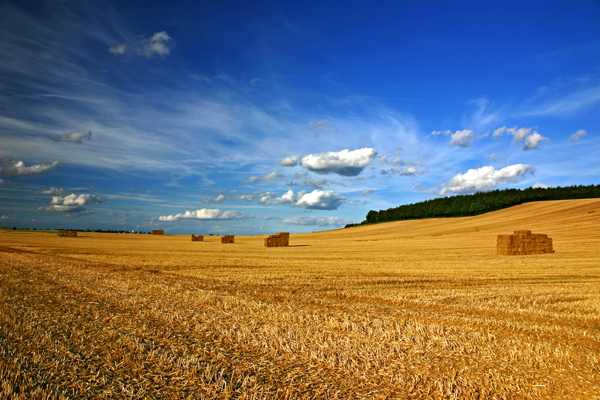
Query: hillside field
401	310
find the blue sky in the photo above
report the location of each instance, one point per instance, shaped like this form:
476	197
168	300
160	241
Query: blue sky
248	117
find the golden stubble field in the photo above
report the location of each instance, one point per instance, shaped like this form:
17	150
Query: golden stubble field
412	309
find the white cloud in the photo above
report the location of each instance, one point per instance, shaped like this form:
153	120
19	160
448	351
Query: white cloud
118	48
289	161
205	214
256	82
74	137
484	179
320	221
540	185
253	179
575	137
345	162
72	205
413	171
287	198
53	191
315	200
532	141
219	199
367	191
18	168
462	138
321	200
266	199
321	125
75	200
316	183
159	44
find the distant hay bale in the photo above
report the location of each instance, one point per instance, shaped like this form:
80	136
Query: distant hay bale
228	239
197	238
282	239
158	232
67	233
522	243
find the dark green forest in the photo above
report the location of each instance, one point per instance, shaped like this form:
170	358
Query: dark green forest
478	203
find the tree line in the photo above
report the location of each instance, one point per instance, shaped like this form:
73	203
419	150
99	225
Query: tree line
478	203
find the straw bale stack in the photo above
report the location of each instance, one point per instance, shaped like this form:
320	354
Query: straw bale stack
65	233
227	239
524	242
282	239
158	232
197	238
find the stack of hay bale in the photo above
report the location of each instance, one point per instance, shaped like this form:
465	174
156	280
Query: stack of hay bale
158	232
227	239
62	232
197	238
282	239
524	242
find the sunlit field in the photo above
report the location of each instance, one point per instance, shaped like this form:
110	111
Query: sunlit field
411	309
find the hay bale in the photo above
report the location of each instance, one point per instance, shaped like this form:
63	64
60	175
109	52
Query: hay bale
228	239
197	238
523	242
281	239
158	232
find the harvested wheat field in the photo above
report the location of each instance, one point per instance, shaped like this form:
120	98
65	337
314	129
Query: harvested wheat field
412	309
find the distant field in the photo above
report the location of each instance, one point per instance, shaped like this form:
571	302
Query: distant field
411	309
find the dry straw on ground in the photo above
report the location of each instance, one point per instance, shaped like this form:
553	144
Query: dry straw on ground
414	309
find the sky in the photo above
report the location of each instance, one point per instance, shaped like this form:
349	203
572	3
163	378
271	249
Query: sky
255	117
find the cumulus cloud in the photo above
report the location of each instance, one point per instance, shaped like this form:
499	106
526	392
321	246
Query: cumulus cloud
484	179
321	200
532	141
315	200
219	199
72	204
462	138
320	221
344	163
540	185
319	124
53	191
367	191
15	168
575	137
158	45
205	214
316	183
267	198
253	179
287	198
289	161
459	138
74	137
413	171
